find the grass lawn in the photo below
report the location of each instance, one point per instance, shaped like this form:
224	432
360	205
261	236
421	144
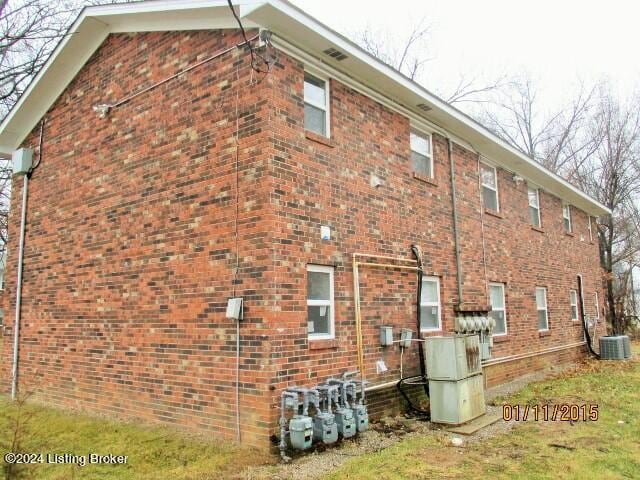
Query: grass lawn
154	452
608	448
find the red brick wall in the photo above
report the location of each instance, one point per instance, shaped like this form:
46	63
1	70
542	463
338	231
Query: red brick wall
328	183
131	246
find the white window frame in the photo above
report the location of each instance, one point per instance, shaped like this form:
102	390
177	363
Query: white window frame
483	185
597	306
322	303
429	138
573	297
590	228
546	308
537	207
327	100
566	215
503	309
433	304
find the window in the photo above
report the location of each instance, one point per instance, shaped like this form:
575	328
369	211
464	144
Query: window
597	306
541	307
573	298
430	304
316	105
534	206
421	158
498	310
320	306
489	180
590	228
566	216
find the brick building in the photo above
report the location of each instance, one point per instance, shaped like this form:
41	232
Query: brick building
145	216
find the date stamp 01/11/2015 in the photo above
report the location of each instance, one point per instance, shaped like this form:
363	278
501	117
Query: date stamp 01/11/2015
564	412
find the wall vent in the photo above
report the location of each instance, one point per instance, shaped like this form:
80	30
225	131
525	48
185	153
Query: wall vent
424	107
333	53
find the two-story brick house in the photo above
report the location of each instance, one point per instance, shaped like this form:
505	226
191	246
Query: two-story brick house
199	184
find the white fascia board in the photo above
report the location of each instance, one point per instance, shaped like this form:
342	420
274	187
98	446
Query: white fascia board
83	38
88	32
199	15
298	28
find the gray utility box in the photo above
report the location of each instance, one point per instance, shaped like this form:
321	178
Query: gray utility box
22	160
456	402
453	358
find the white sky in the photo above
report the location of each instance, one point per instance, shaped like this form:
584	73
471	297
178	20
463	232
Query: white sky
557	41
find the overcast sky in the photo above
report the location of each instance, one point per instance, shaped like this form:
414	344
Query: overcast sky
557	41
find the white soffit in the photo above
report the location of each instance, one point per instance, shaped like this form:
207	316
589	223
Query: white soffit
294	26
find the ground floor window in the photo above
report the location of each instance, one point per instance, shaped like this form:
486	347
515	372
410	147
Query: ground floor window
541	306
320	303
430	304
573	298
498	308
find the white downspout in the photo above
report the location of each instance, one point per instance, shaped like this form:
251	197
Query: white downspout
16	324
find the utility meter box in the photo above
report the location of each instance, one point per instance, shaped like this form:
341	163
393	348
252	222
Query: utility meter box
452	358
22	160
346	422
386	336
325	428
456	402
361	415
405	337
301	432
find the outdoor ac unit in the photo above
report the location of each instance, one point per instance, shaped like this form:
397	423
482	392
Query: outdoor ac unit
453	358
456	402
456	385
626	343
612	348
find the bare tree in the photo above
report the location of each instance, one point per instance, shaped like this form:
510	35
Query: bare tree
612	175
407	55
29	32
410	53
556	138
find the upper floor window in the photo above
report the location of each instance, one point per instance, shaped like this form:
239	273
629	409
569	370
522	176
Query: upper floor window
534	206
573	298
320	304
489	181
430	304
590	228
566	218
316	105
421	157
541	307
498	308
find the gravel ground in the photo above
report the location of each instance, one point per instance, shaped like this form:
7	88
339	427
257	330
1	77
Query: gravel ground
385	433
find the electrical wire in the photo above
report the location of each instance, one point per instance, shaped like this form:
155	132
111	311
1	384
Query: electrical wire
252	51
40	142
584	320
104	109
420	379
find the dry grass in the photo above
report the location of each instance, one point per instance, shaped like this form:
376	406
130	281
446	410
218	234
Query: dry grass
154	452
605	449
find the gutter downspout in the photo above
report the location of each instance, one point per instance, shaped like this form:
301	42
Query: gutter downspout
16	324
455	220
